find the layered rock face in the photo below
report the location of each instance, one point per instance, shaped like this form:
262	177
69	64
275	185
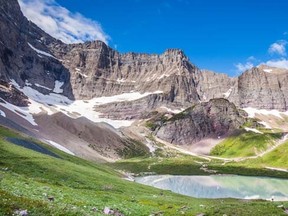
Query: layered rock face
93	69
12	95
137	109
261	89
83	71
214	85
24	55
215	118
97	70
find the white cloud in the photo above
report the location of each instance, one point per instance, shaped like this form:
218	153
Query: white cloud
278	48
280	63
61	23
251	59
243	67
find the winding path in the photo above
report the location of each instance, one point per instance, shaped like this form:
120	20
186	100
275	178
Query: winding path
237	159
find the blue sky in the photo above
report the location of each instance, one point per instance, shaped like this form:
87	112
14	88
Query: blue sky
224	36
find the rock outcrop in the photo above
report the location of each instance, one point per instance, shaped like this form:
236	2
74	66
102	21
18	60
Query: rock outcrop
12	95
214	85
262	88
215	118
24	55
97	70
93	69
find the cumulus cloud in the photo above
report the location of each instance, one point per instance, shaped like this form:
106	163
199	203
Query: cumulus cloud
280	63
251	58
278	48
243	67
61	23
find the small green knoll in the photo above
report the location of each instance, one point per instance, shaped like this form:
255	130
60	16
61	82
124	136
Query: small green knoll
277	159
245	144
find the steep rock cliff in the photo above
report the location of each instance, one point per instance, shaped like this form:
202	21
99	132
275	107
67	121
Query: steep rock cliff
24	55
214	118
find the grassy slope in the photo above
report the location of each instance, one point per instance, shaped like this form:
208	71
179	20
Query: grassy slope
188	165
180	165
27	178
276	158
245	144
76	185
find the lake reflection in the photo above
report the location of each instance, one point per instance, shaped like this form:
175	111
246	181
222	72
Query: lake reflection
221	186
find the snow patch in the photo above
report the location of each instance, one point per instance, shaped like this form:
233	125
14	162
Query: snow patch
57	88
228	93
253	130
60	147
266	125
122	97
253	111
163	75
22	112
2	113
79	72
277	169
41	52
172	111
267	70
27	83
53	103
121	80
40	86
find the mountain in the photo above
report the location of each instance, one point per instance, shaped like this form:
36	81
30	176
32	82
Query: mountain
215	118
25	56
90	93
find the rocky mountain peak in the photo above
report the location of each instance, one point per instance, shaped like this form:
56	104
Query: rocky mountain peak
93	69
25	56
175	53
96	45
273	70
132	86
175	56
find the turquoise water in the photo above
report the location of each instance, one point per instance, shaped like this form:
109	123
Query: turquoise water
221	186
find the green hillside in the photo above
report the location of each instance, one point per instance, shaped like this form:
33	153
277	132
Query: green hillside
66	185
245	144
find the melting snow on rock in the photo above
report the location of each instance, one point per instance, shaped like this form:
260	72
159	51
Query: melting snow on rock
41	52
53	103
60	147
253	111
253	130
57	88
2	113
